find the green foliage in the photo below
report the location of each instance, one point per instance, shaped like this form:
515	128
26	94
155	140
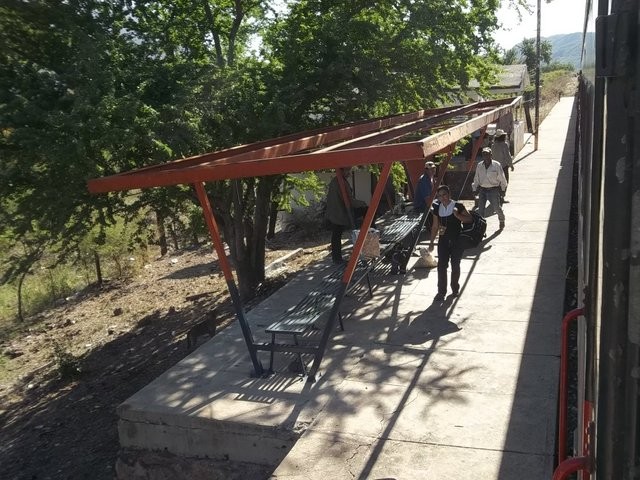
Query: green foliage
556	84
557	66
398	175
36	296
526	52
50	280
511	57
68	365
95	87
296	188
340	61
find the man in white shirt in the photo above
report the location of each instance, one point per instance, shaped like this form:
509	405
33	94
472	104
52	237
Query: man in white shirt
500	153
489	181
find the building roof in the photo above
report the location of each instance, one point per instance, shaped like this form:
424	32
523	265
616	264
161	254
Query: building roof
513	76
510	77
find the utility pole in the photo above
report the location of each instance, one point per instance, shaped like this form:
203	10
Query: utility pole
537	120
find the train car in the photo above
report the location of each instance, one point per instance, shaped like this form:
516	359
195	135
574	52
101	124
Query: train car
606	443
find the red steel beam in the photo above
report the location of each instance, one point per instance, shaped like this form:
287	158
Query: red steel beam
295	142
223	261
398	130
174	174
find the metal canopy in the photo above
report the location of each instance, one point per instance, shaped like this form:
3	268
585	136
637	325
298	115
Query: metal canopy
361	143
408	138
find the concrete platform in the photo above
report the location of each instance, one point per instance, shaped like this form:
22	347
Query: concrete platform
411	389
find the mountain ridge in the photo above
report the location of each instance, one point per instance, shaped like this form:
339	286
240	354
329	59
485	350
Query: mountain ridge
566	47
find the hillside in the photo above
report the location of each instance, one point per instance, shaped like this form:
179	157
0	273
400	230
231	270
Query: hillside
567	48
116	339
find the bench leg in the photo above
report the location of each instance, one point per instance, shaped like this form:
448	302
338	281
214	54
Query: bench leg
340	320
368	285
273	348
302	365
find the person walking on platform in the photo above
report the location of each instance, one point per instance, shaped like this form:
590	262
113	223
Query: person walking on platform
448	217
424	187
500	153
337	216
489	181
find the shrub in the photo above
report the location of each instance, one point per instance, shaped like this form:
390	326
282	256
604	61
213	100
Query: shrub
68	365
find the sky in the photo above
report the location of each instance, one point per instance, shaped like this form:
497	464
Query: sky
559	16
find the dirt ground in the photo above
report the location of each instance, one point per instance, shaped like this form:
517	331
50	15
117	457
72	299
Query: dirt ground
121	336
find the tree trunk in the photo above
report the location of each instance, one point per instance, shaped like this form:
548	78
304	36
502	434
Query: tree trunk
247	235
96	259
194	238
20	282
174	236
54	293
273	218
162	233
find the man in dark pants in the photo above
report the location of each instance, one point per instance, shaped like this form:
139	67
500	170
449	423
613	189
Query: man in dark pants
448	217
337	216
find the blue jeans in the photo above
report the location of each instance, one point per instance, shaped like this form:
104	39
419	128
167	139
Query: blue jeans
493	195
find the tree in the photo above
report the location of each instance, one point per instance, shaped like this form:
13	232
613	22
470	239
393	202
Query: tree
96	87
528	52
340	61
511	57
58	120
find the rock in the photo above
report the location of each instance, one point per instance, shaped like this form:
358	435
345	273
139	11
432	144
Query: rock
13	352
117	311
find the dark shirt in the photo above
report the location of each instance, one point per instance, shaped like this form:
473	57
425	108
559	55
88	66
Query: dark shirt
423	190
452	224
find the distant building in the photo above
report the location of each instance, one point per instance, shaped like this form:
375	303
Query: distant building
512	82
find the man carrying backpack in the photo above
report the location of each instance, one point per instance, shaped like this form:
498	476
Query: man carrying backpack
489	180
448	217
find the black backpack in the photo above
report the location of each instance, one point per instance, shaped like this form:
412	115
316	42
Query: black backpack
471	234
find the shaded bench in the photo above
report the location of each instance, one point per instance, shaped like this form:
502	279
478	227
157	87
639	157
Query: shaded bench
302	317
298	320
398	239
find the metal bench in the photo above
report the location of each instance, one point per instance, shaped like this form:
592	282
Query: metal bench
398	239
302	317
299	319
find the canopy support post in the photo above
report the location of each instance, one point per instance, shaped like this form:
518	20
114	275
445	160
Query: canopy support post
348	272
226	269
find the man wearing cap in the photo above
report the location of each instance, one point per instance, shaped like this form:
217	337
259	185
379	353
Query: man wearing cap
489	181
500	153
424	187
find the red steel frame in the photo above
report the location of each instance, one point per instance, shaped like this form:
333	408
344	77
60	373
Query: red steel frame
584	463
331	148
